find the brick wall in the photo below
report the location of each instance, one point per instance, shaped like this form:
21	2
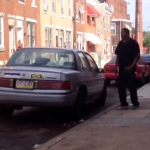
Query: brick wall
13	13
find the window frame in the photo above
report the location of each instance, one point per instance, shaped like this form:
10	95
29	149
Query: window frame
89	62
88	70
31	35
2	31
53	6
49	37
62	8
69	8
114	28
68	39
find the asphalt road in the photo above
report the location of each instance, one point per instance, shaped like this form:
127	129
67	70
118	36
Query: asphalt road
35	126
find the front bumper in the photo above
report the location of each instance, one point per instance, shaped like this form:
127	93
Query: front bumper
37	99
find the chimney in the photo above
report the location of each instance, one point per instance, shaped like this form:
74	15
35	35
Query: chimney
139	23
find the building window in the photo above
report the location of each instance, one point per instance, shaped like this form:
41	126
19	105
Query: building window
48	37
69	7
1	31
54	6
45	6
82	13
61	38
62	7
31	34
57	37
93	21
34	2
114	48
107	47
68	39
79	41
77	12
88	19
113	28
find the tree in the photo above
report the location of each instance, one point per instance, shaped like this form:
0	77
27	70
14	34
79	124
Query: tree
146	41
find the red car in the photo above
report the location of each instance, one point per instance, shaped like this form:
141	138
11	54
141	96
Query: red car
142	74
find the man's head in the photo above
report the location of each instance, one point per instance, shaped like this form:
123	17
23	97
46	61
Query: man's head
125	33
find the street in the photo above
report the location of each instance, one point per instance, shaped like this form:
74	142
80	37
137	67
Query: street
33	126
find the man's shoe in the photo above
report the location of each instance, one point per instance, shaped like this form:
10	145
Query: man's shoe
121	107
135	107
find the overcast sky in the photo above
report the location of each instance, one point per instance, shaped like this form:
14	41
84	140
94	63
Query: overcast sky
146	11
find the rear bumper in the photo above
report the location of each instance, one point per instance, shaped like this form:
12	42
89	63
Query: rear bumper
28	99
113	76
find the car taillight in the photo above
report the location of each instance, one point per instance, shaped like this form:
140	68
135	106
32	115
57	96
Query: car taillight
6	83
54	85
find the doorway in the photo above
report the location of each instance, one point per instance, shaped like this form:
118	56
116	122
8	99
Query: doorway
11	40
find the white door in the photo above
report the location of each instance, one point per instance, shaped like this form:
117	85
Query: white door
20	34
11	41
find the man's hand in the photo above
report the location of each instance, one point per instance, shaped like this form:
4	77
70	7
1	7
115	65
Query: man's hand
129	68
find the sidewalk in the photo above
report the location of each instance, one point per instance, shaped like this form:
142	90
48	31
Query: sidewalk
110	130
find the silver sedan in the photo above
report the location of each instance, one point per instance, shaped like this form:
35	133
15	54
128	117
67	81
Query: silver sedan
52	77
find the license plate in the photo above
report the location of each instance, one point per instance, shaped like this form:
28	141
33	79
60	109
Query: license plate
24	84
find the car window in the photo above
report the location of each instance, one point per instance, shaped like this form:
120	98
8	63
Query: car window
44	58
91	61
84	63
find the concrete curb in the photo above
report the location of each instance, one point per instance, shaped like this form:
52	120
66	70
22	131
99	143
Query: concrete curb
72	131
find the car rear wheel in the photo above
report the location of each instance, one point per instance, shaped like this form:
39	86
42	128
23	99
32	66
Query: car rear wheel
148	79
6	112
78	107
142	81
102	98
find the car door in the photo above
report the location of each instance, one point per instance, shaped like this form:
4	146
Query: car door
97	77
86	74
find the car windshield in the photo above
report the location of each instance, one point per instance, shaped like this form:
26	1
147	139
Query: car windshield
43	57
113	60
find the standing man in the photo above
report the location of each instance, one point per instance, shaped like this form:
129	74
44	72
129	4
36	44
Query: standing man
128	53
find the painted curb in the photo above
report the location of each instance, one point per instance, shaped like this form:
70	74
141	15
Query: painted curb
75	129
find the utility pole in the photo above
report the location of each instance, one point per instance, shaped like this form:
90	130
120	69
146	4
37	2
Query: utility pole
74	25
139	23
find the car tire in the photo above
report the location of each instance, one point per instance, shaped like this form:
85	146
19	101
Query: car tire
78	108
102	98
6	112
148	79
108	81
142	81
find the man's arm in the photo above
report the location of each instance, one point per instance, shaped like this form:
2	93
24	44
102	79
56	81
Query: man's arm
117	52
137	53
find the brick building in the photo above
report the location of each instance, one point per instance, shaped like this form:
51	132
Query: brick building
19	20
86	33
119	8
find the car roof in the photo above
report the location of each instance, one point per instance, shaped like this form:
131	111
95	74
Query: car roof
53	48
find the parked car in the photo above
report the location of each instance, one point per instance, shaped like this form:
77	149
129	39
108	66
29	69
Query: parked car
52	77
146	58
142	71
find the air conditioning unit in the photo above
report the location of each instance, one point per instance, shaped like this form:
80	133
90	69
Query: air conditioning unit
45	7
22	1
